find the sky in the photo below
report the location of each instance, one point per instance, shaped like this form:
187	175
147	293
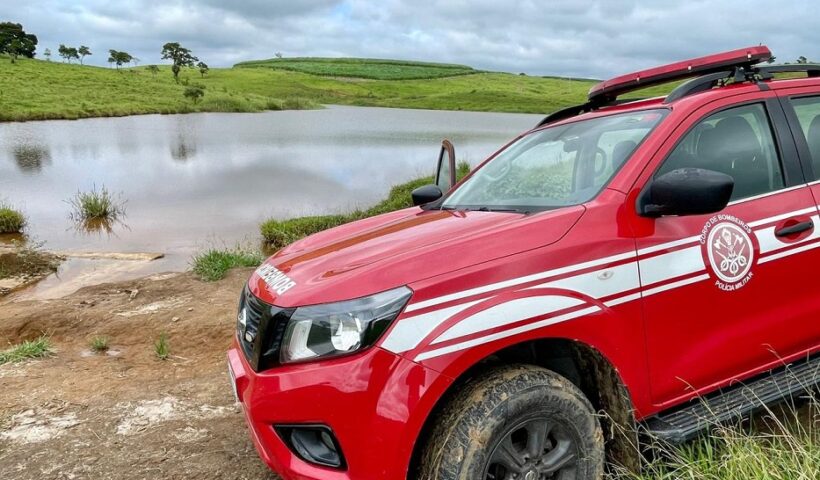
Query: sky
548	37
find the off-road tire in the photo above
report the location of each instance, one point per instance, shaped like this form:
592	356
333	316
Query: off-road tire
480	415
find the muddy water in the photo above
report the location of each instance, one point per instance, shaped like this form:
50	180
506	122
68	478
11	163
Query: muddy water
191	181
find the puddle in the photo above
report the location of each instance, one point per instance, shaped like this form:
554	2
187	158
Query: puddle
75	273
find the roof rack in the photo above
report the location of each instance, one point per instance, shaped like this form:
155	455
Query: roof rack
710	69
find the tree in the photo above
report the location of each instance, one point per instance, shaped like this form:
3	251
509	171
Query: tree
119	58
15	49
153	69
203	68
802	59
194	92
47	54
181	56
68	53
26	43
278	54
84	52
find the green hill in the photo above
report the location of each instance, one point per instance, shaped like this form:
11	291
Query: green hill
36	89
375	69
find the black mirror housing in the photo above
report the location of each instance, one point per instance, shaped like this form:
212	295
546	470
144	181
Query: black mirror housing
686	191
426	194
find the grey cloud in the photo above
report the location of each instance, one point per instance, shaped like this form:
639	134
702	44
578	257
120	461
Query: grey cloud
561	37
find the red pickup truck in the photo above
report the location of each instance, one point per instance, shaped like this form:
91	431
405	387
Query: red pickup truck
628	265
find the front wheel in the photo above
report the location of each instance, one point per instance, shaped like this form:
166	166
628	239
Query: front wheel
518	422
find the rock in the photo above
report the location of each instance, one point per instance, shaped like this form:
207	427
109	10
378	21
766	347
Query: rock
174	319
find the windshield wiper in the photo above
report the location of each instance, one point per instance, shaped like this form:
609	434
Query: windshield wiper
494	209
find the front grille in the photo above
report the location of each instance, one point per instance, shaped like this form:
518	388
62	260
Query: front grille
261	335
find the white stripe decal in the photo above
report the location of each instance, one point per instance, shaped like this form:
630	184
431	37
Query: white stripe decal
406	335
664	246
776	256
671	265
777	218
670	286
769	242
519	280
506	333
600	283
507	313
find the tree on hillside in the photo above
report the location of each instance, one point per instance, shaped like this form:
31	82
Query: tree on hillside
153	69
68	53
203	68
15	49
278	55
84	52
181	56
802	59
119	58
26	43
194	92
47	54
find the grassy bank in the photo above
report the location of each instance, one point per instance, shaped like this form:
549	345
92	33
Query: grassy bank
37	90
375	69
278	233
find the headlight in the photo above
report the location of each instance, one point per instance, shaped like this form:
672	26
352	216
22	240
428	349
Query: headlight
343	327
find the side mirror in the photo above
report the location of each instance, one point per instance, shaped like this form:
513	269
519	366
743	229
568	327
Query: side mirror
446	169
426	194
686	191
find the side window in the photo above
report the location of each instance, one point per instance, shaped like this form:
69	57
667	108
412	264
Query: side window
737	142
808	113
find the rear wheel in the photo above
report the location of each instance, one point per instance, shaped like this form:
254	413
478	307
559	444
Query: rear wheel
518	422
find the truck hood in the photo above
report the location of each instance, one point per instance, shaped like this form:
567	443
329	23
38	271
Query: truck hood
398	248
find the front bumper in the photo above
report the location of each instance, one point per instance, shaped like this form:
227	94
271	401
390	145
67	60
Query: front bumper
375	402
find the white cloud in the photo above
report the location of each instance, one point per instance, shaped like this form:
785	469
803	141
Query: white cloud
562	37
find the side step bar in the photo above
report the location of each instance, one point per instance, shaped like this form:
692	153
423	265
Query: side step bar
733	403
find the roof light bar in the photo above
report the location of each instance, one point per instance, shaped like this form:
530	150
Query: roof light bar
609	90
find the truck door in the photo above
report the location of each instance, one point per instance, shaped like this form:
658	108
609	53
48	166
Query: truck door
729	294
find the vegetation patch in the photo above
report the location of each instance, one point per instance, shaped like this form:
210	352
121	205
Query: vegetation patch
362	68
11	220
38	348
212	264
162	349
785	445
99	344
279	233
96	205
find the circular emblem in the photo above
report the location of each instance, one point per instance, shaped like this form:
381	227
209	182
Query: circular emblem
730	251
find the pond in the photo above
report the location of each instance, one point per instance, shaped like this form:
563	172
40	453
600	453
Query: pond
198	180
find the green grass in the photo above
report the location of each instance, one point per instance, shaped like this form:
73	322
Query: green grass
38	348
11	220
38	90
96	205
99	343
279	233
212	264
162	349
783	445
375	69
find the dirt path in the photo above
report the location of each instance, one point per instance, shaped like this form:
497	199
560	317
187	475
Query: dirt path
126	414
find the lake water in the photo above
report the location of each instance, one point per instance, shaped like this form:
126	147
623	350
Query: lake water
191	181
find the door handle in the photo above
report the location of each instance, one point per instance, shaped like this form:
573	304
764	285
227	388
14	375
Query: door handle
794	229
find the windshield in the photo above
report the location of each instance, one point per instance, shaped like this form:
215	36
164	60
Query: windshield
556	167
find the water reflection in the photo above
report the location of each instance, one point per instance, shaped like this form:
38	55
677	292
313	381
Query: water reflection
99	226
31	158
183	150
249	167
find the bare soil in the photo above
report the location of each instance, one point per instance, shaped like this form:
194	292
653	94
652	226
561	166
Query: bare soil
125	414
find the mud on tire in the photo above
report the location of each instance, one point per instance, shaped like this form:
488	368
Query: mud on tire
520	421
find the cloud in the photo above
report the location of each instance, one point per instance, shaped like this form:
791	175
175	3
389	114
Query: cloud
561	37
